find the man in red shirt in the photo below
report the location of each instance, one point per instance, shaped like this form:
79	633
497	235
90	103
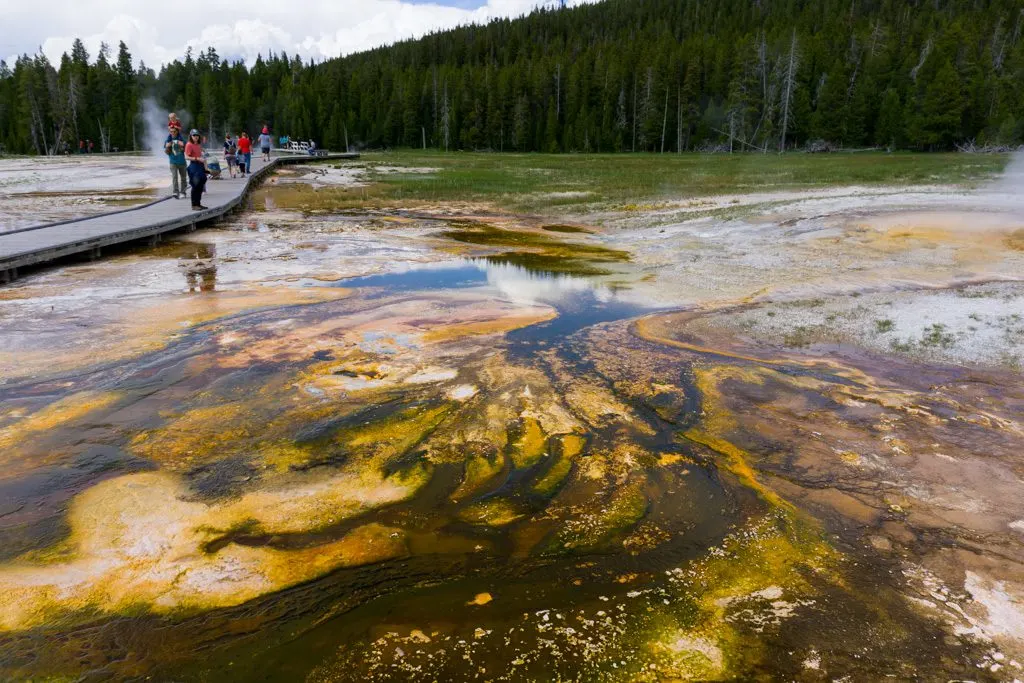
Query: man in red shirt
196	168
245	152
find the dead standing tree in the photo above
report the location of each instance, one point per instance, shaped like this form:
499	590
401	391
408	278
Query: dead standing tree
445	118
621	117
877	38
434	71
688	97
558	92
74	97
788	87
635	84
854	57
664	123
36	127
1002	42
646	105
679	120
768	78
61	112
925	51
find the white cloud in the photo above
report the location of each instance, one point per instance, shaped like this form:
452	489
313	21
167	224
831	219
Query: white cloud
160	32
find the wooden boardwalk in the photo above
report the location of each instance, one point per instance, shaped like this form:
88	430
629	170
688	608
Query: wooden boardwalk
41	244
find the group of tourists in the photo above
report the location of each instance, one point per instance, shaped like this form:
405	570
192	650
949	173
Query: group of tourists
188	159
238	154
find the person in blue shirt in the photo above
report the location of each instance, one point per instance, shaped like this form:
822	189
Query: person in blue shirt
174	147
265	143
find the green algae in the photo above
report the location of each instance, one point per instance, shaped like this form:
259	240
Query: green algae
527	442
553	479
480	470
494	512
755	578
601	521
570	229
565	449
394	435
532	243
413	478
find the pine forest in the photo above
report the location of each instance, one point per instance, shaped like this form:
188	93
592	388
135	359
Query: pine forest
616	76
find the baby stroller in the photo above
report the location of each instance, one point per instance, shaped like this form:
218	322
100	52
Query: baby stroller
213	167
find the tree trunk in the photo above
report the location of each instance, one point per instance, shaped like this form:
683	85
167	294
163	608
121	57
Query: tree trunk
679	121
558	91
664	123
634	113
788	92
445	118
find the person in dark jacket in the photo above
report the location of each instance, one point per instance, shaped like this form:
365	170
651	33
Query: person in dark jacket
196	168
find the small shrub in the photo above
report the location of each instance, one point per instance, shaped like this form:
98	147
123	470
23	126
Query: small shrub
936	335
800	337
902	346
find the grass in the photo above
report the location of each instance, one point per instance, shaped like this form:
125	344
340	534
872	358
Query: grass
540	183
936	335
883	326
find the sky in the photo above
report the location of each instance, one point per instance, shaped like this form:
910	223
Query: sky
159	32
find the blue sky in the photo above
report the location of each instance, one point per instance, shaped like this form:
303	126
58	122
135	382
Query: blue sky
464	4
158	32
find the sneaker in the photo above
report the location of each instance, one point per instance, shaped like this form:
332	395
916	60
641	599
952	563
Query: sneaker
175	195
198	208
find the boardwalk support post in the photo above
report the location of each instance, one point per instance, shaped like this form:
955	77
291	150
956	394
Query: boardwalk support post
8	275
154	240
95	253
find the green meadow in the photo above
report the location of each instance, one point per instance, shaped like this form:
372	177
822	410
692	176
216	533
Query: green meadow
564	183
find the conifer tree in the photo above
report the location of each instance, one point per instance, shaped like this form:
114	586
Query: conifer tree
609	76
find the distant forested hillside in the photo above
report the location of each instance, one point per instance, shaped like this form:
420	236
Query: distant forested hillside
620	75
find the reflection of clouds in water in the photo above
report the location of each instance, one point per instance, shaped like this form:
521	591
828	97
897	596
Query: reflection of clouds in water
530	287
511	282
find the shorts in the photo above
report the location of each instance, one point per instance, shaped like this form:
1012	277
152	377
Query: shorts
265	150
